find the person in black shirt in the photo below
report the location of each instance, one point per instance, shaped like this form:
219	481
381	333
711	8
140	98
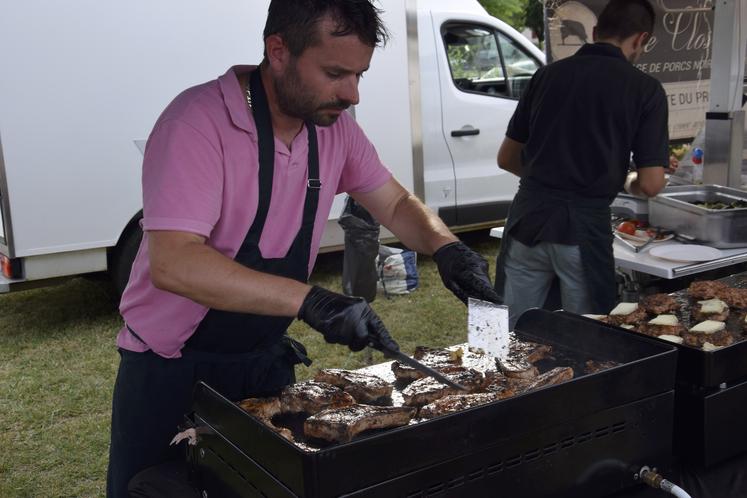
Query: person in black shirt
570	141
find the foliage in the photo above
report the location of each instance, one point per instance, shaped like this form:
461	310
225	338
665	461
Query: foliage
534	18
508	11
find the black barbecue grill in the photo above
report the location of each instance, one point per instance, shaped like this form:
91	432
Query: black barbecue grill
585	437
710	416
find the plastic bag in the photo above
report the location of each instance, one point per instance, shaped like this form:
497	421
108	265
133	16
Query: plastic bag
359	272
398	271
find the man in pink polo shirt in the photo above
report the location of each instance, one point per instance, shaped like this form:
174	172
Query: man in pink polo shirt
239	177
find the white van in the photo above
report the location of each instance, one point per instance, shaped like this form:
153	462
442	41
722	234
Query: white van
84	82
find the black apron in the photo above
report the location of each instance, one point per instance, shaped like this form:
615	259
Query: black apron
239	354
589	219
230	332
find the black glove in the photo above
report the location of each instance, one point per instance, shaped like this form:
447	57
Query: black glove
464	272
345	320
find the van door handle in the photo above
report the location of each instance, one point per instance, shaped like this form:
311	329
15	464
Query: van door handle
465	132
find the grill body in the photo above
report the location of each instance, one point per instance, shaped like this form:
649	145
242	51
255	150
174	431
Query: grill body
584	437
711	390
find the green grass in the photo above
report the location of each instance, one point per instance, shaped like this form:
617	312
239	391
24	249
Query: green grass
58	362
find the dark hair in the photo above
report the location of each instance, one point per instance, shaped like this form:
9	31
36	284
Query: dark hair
623	18
296	21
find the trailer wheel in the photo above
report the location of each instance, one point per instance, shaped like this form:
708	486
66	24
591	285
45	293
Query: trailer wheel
123	255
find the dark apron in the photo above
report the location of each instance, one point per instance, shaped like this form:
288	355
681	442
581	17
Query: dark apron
239	354
231	332
589	219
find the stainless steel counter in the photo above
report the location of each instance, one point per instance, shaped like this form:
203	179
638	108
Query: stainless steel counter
645	263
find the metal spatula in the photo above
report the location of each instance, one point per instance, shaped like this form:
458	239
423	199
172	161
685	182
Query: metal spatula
487	327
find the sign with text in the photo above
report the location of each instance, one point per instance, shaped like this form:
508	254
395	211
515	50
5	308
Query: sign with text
678	53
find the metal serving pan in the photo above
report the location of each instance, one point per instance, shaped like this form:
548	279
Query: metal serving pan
630	206
584	436
724	228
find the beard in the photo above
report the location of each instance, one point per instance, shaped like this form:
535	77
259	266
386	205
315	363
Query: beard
295	100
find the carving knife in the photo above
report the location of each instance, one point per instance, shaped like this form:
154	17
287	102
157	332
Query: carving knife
407	360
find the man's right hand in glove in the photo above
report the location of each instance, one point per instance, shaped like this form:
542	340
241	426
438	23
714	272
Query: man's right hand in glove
344	320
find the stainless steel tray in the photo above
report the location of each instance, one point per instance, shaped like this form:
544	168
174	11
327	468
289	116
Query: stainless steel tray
630	206
724	228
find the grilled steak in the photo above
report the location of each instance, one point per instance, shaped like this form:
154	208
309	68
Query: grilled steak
521	356
638	316
458	402
657	330
426	390
659	304
517	367
552	377
495	381
707	289
342	424
312	397
710	309
697	339
434	358
261	407
364	388
736	298
594	366
661	325
264	409
529	351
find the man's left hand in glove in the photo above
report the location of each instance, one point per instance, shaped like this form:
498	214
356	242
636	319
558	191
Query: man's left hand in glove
464	272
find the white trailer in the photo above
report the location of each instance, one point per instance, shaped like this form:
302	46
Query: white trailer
84	82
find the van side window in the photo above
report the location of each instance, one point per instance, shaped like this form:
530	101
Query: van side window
520	66
477	57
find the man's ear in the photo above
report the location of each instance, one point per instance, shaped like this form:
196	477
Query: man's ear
640	41
276	50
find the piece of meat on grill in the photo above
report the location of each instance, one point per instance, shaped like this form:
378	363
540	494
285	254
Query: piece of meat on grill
633	318
661	325
708	331
710	309
261	407
312	397
264	409
552	377
736	298
495	380
365	388
594	366
707	289
657	330
517	367
427	390
532	352
659	304
343	424
458	402
432	357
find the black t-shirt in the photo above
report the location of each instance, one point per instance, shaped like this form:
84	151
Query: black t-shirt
580	118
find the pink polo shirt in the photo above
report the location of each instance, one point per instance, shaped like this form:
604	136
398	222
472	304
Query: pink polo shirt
200	176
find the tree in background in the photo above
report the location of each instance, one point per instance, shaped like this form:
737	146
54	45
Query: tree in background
534	18
508	11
